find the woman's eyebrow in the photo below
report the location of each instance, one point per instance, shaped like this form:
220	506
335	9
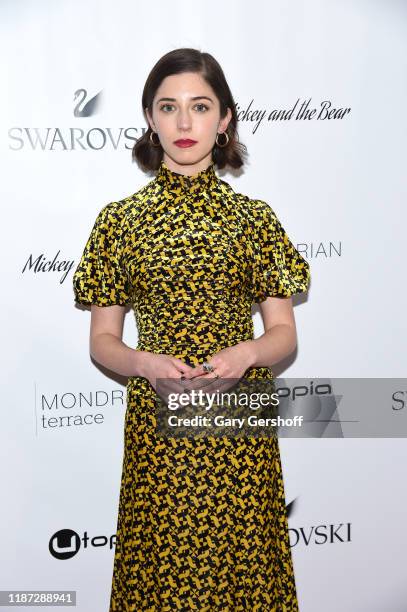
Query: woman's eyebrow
193	98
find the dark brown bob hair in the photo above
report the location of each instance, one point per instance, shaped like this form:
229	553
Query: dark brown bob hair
149	157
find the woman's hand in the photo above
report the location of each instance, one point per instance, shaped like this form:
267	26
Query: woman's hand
229	363
161	366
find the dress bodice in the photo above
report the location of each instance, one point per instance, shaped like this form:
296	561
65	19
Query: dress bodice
189	260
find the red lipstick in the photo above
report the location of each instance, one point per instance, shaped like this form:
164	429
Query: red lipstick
185	142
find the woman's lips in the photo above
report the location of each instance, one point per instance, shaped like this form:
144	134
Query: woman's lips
185	142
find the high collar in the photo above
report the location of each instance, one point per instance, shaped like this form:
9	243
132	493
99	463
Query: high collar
183	183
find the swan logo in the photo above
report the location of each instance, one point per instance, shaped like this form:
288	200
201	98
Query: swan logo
90	107
76	138
291	507
66	543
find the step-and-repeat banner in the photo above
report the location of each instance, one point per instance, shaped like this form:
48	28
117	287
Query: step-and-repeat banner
320	90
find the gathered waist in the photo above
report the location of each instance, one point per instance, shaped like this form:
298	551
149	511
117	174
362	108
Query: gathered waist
189	345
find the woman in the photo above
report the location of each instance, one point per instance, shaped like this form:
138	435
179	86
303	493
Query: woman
202	523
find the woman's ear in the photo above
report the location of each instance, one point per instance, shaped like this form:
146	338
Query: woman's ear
149	119
224	122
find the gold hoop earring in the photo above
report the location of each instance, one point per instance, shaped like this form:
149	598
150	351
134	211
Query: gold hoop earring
225	143
152	141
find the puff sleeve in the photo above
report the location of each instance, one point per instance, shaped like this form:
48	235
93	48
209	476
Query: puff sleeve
99	277
279	270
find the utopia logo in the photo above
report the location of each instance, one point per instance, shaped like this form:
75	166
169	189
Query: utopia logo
314	400
66	543
75	138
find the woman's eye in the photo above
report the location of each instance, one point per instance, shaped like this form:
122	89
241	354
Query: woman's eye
164	105
202	106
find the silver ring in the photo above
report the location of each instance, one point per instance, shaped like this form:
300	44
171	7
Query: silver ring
208	367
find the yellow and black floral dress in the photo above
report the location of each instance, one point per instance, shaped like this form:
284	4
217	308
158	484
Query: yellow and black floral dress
202	522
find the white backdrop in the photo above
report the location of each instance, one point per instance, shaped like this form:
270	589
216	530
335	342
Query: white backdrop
336	184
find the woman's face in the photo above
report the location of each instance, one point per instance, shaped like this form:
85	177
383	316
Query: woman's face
185	107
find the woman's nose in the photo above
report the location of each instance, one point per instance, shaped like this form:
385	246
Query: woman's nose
184	120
